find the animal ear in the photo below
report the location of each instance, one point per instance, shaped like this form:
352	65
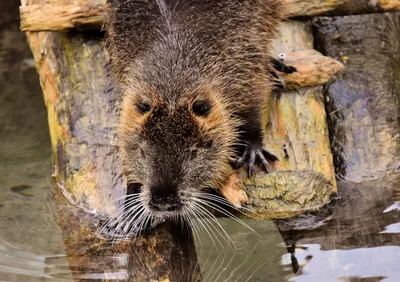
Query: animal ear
201	108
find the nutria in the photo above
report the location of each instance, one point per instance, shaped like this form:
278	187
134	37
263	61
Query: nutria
195	77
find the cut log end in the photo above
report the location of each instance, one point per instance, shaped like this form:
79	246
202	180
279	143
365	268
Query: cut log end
284	194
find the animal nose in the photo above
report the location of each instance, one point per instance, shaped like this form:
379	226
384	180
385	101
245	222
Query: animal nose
166	203
164	207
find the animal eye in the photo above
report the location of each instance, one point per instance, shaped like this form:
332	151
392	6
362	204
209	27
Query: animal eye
201	108
143	107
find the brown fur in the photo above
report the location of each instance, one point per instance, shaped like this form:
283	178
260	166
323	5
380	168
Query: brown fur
167	54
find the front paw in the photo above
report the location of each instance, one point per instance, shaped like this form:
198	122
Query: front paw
256	153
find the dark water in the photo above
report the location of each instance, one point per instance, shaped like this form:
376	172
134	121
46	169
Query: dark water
357	238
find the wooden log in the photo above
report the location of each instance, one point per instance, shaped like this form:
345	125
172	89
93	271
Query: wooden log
300	8
67	14
61	15
304	178
364	100
83	117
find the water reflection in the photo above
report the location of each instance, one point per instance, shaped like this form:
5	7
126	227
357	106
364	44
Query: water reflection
169	252
355	239
347	265
31	242
344	241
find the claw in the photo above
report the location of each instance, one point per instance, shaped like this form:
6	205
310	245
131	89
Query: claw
252	160
242	159
264	162
252	154
280	80
282	67
270	156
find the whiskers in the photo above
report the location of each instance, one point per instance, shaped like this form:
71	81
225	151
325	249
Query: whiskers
133	216
198	215
128	221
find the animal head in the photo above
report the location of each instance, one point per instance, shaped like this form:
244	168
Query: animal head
175	145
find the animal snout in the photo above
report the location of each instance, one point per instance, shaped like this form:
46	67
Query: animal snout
165	207
165	203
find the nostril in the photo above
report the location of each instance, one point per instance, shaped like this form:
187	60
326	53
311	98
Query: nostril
193	154
167	203
133	188
173	207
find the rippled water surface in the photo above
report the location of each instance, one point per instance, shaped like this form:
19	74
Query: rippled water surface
357	238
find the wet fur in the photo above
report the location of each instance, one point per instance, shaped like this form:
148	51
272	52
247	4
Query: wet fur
170	53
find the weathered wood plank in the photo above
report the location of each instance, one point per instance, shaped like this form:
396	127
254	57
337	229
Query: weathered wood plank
82	116
61	15
68	14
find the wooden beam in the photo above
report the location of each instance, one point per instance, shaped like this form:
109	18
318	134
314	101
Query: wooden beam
62	15
69	14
